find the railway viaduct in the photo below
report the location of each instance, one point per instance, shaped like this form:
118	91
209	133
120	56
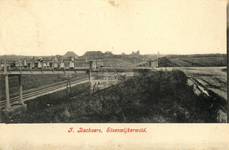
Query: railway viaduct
92	68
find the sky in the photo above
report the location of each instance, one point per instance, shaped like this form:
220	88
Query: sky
51	27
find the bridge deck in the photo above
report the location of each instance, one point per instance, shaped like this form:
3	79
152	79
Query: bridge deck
68	70
65	70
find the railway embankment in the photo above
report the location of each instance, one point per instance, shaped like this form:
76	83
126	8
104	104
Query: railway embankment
155	97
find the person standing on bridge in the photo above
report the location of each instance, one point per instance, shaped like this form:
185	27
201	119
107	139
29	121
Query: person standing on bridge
44	64
25	63
40	60
62	62
71	62
55	63
32	62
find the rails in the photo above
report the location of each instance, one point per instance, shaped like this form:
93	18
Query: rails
40	91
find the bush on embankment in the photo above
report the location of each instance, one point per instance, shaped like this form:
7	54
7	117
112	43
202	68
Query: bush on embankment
156	97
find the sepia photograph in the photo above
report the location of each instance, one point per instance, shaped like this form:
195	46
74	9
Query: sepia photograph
88	64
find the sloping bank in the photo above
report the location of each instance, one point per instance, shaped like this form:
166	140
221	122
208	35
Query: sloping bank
218	102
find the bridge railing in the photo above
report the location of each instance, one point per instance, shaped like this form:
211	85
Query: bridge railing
62	65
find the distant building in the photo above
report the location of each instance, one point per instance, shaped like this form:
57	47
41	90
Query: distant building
70	54
135	54
108	54
93	55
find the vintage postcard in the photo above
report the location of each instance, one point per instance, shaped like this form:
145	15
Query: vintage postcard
113	74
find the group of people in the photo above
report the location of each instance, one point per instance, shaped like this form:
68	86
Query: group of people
40	63
40	59
44	64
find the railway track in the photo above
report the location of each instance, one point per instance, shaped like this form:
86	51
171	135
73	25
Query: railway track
43	86
44	90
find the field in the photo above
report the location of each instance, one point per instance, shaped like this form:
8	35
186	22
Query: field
121	61
165	62
156	97
115	62
200	62
208	60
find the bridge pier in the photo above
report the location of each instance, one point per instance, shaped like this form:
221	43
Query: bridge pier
9	110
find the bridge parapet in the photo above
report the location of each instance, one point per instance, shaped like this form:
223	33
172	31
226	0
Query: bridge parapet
58	67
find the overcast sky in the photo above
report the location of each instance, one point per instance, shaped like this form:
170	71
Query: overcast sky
50	27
